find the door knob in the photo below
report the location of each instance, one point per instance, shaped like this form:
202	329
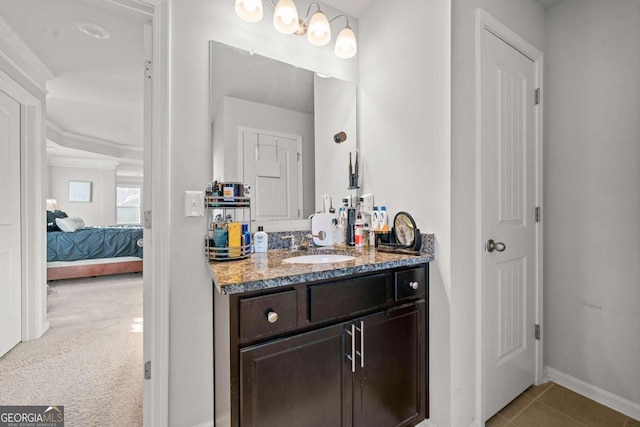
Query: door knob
495	246
414	285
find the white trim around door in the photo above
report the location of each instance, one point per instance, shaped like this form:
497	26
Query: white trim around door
156	388
34	290
485	21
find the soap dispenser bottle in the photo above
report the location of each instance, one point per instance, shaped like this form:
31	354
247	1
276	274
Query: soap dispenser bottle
260	241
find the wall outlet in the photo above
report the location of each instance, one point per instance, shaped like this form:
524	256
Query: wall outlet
367	202
194	203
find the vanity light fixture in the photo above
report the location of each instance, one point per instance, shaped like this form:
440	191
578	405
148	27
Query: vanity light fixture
287	21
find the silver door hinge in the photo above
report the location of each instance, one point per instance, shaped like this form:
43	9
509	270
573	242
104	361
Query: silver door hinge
537	332
537	96
147	219
148	69
299	156
147	370
537	213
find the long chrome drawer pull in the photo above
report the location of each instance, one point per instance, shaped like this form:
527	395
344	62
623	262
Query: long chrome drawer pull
362	344
352	356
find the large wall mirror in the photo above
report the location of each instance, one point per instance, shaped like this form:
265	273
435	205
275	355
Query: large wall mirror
273	127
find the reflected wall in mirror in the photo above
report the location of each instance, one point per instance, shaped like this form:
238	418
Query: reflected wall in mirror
273	127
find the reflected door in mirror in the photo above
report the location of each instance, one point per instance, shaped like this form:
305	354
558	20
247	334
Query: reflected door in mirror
271	166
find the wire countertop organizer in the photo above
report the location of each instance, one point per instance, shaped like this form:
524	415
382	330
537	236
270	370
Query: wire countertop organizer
229	209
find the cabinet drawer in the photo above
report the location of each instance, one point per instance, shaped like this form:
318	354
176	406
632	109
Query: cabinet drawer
410	283
267	314
345	297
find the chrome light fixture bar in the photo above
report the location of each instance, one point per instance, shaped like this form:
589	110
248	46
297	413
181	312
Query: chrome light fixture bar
287	21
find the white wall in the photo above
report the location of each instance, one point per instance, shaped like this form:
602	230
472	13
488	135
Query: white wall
237	112
592	198
335	111
102	208
525	17
193	24
46	181
404	132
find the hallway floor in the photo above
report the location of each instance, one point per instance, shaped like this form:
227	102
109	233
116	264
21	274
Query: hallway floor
550	405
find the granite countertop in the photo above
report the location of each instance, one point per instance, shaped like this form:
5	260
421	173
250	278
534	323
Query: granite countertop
267	270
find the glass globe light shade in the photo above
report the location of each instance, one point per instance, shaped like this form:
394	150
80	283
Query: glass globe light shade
319	31
346	45
249	10
285	17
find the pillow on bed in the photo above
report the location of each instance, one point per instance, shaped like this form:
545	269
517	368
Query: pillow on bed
69	224
51	219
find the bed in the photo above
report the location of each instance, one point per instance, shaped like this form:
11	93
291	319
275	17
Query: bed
93	251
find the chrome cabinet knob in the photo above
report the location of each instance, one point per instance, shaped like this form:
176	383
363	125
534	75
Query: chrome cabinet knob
414	285
495	246
272	317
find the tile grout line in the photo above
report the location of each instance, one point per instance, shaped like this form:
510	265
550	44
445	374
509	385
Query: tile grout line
533	399
562	413
553	409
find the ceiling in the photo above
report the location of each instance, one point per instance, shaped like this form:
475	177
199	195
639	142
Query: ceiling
355	8
548	4
97	90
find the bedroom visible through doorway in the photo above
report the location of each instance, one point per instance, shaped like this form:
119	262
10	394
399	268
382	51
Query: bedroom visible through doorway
96	131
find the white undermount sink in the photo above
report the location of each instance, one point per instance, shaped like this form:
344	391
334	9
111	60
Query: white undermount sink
318	259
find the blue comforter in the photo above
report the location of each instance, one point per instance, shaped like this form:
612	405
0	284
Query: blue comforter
93	243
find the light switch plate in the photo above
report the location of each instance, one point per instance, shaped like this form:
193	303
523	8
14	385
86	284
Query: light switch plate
194	203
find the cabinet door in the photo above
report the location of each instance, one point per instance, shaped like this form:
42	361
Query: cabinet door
305	380
390	389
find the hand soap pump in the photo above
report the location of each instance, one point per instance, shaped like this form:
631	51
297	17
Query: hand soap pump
260	241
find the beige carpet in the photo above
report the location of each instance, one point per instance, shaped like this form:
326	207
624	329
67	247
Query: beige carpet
90	360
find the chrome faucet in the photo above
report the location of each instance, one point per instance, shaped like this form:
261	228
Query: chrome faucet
292	242
308	239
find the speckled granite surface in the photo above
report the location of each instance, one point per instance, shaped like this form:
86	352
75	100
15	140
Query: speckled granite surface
267	270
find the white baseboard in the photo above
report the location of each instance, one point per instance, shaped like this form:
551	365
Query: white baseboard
613	401
206	424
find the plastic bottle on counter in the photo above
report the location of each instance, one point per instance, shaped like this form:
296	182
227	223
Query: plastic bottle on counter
383	220
339	236
246	239
375	219
359	232
260	241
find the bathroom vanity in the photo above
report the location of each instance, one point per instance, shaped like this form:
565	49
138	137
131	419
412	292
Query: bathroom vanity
333	344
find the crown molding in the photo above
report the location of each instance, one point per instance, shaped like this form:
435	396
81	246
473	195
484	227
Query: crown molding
139	7
16	51
91	144
73	162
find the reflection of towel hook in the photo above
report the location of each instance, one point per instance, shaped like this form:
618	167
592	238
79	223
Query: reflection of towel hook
340	137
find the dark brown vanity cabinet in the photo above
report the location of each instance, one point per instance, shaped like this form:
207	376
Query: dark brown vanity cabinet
348	364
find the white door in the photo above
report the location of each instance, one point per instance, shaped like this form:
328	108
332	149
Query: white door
10	246
270	164
508	193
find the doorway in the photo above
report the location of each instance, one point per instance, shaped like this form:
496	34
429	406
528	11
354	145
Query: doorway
26	83
510	185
